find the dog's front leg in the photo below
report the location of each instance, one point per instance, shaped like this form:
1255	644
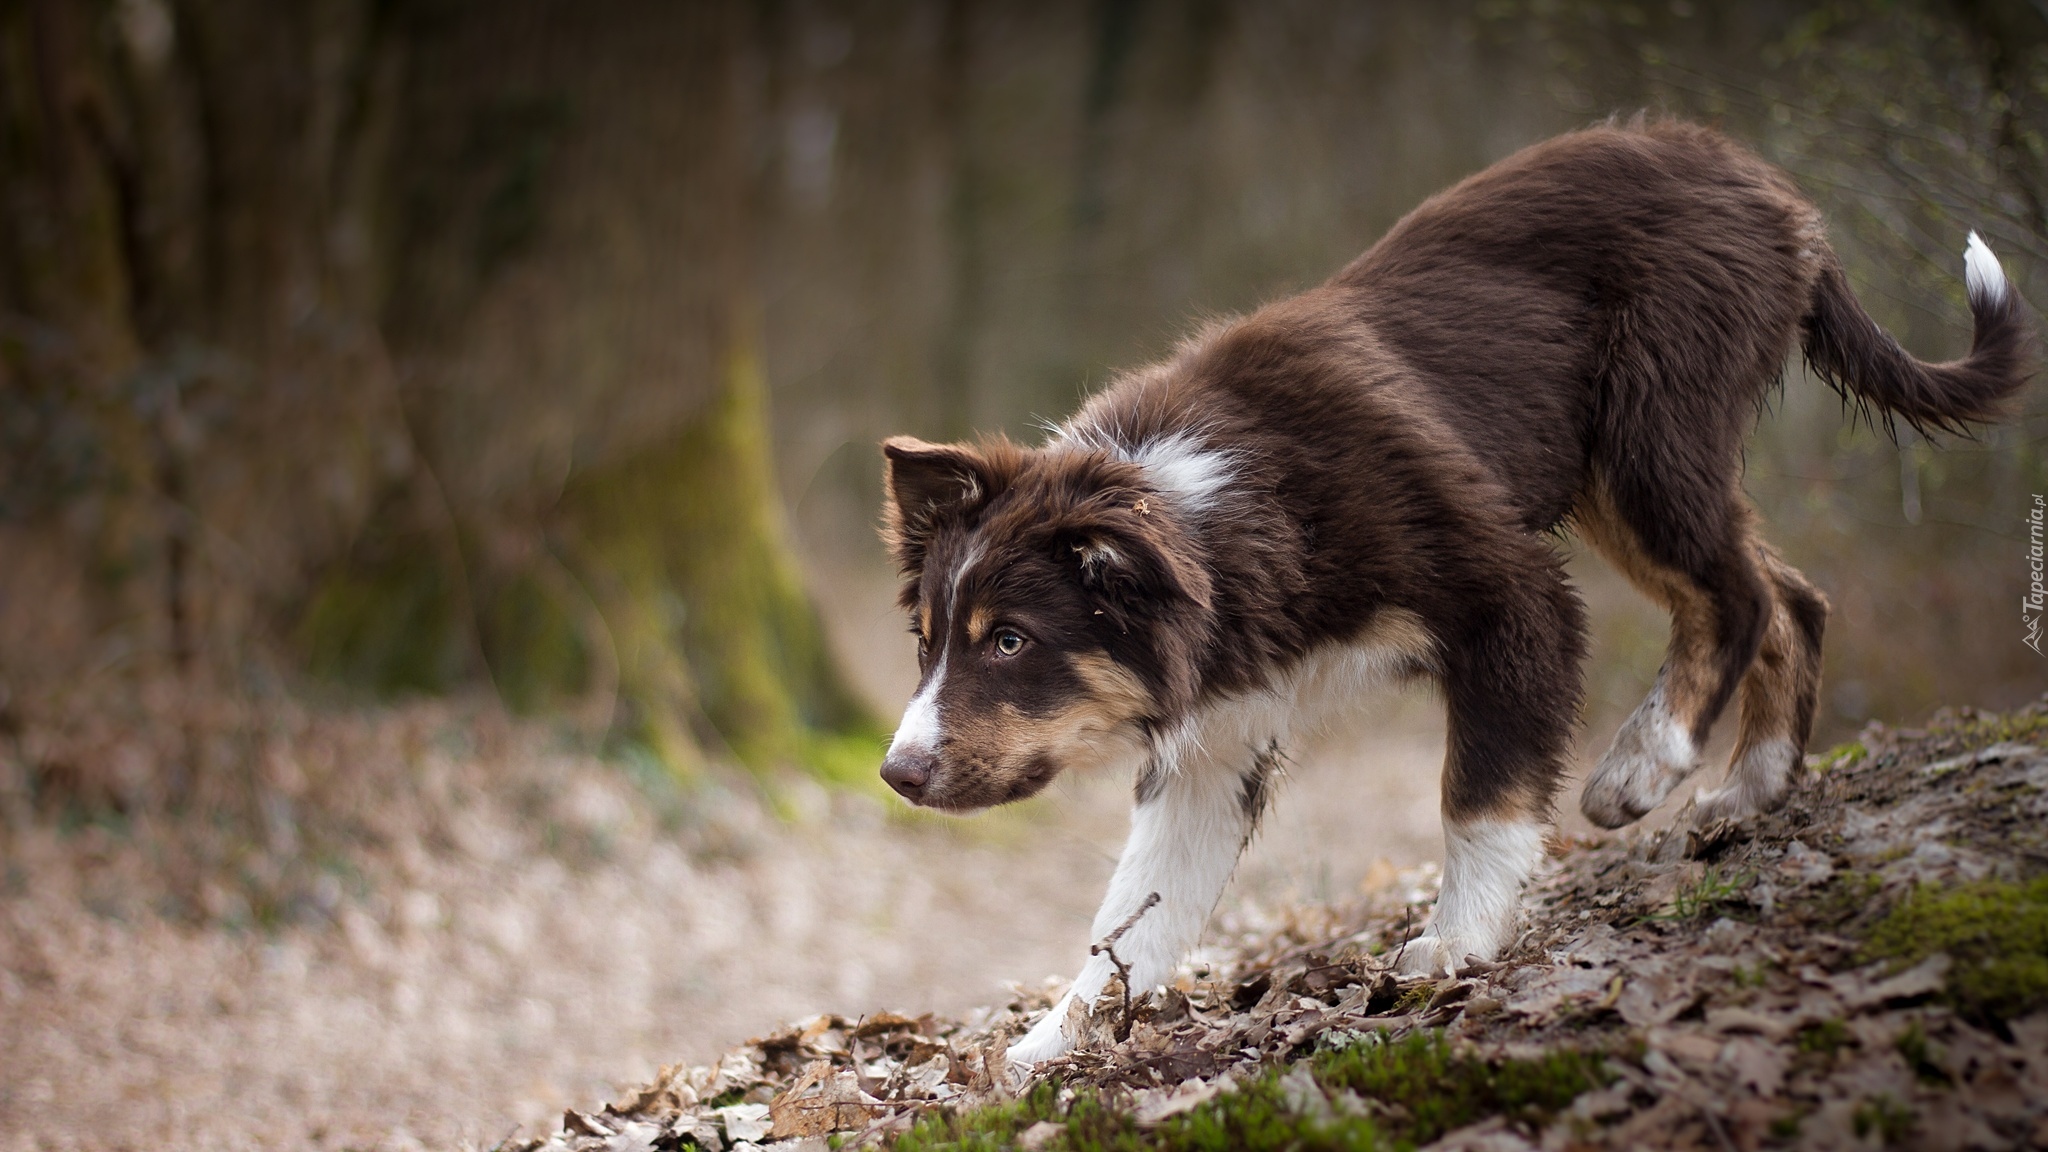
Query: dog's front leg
1190	822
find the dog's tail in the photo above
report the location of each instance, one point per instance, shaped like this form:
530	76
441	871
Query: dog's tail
1846	348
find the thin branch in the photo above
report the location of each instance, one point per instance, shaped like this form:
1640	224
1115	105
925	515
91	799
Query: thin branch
1107	946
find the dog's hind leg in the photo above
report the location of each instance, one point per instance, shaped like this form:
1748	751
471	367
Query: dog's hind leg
1510	674
1777	696
1694	554
1197	804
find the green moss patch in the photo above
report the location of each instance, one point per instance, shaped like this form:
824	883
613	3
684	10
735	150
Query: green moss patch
1440	1089
1369	1094
1997	933
1826	1037
1971	729
1847	755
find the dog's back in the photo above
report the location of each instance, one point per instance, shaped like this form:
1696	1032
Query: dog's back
1591	291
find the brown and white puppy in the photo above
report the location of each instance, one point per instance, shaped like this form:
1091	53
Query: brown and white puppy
1221	551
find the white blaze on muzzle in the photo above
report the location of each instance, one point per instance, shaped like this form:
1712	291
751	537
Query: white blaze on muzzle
919	731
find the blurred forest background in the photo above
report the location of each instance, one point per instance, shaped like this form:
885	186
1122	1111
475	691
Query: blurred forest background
438	481
362	349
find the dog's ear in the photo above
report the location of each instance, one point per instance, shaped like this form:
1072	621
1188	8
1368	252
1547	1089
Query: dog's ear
1147	580
1133	559
923	482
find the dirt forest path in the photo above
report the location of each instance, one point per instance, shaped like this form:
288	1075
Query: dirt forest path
486	984
498	988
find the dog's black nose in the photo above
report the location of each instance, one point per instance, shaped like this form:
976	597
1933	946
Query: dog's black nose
908	774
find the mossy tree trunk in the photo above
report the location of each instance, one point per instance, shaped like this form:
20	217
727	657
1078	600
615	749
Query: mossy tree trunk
705	609
286	286
612	240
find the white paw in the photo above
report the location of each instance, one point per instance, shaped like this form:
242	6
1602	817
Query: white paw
1433	955
1728	802
1757	782
1651	755
1047	1039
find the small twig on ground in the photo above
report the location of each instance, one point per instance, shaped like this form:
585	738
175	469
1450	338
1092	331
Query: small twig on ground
1407	921
853	1056
1107	946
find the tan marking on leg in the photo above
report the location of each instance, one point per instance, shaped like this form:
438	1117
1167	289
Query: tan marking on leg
1689	672
1656	748
1512	805
1776	701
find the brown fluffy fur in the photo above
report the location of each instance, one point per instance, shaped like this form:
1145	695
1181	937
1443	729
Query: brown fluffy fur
1579	335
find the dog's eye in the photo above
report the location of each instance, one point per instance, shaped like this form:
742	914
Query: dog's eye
1009	643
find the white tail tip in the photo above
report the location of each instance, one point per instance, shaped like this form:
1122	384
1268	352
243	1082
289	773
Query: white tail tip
1982	277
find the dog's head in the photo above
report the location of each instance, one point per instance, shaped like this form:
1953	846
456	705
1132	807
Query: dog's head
1061	610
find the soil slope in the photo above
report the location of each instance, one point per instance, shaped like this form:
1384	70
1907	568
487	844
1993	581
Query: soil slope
1866	967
